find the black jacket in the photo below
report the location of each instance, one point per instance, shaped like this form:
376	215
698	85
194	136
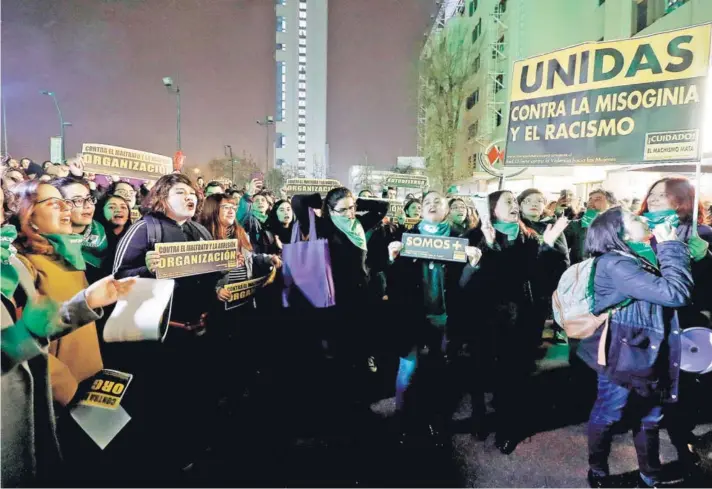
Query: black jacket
544	285
407	304
348	263
194	294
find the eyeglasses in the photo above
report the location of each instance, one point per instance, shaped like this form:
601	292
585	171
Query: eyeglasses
346	210
228	207
57	203
80	202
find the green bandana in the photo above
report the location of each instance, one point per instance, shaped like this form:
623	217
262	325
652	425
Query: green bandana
352	229
260	216
94	244
432	229
69	247
588	217
10	279
659	217
511	229
643	250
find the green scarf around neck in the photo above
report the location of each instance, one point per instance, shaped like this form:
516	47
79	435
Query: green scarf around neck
434	229
94	244
352	228
69	247
643	250
511	229
659	217
588	217
9	275
260	216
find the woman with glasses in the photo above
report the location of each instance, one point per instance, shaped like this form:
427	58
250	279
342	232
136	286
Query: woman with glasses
94	240
342	328
532	204
462	218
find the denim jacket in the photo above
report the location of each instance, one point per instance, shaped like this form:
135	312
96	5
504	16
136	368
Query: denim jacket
643	341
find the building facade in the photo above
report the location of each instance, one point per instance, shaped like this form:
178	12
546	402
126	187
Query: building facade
300	111
505	31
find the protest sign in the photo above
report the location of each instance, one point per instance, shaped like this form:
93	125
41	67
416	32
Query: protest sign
196	258
410	222
434	247
395	208
300	186
135	215
406	181
623	102
107	389
241	292
127	163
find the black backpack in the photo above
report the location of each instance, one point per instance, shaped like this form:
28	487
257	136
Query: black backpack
155	231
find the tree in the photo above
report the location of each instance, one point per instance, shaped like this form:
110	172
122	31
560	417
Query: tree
445	67
239	171
363	180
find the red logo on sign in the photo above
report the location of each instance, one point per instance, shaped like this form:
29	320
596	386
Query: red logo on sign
494	154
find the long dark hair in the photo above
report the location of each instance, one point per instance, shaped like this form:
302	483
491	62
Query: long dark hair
272	221
493	199
101	218
471	221
335	195
606	233
157	198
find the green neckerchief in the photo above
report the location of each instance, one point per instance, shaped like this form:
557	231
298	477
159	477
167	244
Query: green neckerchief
10	278
352	229
511	229
433	229
260	216
588	217
643	250
659	217
69	247
94	244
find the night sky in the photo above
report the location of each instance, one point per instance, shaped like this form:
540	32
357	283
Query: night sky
105	60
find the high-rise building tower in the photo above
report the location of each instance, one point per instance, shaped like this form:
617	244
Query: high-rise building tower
300	113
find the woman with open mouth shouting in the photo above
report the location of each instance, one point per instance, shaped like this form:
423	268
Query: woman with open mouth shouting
428	293
171	205
514	256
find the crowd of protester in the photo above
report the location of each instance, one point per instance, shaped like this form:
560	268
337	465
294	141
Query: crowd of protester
70	249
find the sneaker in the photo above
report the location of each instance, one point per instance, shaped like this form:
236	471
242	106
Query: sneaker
372	365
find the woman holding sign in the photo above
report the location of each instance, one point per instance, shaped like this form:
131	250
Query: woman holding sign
514	256
426	294
178	368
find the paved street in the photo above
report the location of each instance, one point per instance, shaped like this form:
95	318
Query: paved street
296	443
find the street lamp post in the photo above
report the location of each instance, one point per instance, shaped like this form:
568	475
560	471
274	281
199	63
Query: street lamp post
268	121
174	88
228	152
62	123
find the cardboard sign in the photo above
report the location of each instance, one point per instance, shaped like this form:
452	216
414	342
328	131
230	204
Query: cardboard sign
135	215
395	208
625	102
241	292
127	163
440	248
411	222
107	389
300	186
196	258
406	181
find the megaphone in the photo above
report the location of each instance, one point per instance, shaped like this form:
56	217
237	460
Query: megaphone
696	355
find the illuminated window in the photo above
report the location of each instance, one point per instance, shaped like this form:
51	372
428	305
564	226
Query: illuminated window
303	14
302	42
281	24
302	59
302	50
303	24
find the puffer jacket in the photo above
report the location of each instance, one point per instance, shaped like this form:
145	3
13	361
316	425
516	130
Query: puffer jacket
642	347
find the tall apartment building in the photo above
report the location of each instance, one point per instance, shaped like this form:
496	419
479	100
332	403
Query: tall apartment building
508	30
300	112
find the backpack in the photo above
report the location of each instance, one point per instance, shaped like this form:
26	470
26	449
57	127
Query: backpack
573	301
155	232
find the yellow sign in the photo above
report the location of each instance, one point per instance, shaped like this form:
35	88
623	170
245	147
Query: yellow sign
406	181
241	292
673	55
129	163
410	222
107	389
299	186
434	247
196	258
